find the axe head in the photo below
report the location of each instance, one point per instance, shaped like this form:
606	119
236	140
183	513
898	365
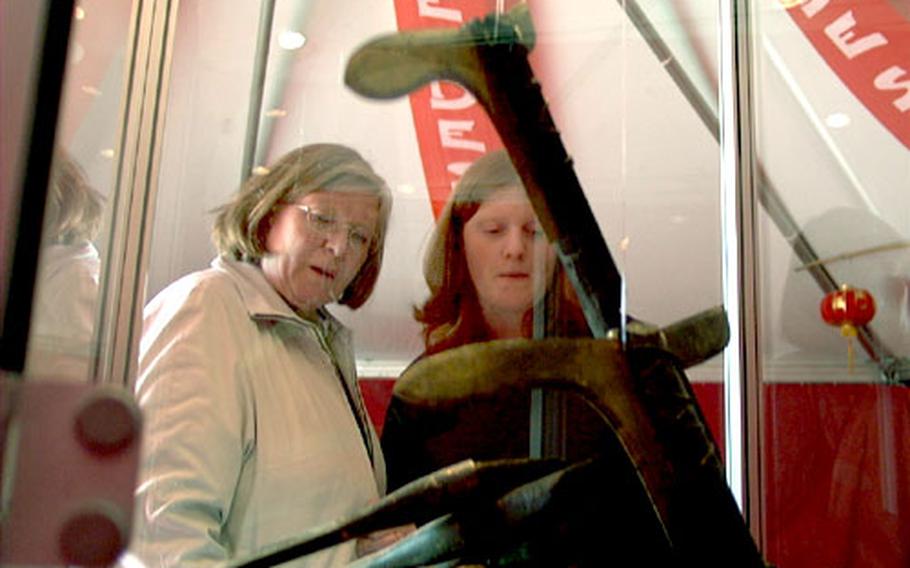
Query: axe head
394	65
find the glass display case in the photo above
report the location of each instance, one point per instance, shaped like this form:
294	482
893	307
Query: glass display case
833	372
715	190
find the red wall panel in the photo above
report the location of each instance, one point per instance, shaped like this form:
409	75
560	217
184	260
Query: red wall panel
836	469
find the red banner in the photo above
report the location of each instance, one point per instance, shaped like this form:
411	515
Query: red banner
867	44
452	128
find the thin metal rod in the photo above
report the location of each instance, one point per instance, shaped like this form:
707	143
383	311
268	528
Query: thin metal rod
857	253
742	373
260	64
547	433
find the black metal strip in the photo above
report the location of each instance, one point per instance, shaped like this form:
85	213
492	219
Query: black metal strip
33	191
514	102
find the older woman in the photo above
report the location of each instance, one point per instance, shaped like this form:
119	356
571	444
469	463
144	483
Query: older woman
60	342
492	275
255	429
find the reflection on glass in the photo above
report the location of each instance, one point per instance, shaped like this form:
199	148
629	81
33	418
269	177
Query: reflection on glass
884	273
835	437
842	475
651	175
67	278
61	344
490	272
482	263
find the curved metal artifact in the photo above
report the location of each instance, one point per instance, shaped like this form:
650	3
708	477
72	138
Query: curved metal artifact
550	522
489	58
648	403
460	485
638	388
527	512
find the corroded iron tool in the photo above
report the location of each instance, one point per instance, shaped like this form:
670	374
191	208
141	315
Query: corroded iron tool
655	416
489	58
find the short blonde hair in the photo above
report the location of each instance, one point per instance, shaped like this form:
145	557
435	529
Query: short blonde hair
242	225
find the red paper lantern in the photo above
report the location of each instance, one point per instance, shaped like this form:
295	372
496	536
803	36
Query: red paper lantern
848	308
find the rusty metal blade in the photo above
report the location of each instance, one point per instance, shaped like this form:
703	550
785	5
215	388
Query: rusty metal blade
393	65
692	340
488	57
433	495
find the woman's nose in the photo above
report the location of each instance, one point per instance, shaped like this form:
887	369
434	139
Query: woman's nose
337	242
515	245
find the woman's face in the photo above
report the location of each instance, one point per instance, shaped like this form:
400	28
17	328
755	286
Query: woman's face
502	241
317	245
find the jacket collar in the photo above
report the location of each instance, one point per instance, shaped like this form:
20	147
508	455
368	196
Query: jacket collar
262	302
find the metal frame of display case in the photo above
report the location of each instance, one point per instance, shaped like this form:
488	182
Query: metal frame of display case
123	280
28	197
46	510
136	188
742	374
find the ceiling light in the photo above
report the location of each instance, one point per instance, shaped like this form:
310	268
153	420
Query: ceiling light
837	120
291	40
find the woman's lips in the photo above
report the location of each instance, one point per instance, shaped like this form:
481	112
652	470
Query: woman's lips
323	272
515	275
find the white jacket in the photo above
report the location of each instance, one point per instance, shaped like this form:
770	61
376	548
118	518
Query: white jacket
249	437
63	314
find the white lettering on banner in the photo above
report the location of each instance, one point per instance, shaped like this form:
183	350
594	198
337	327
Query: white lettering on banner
813	7
865	42
450	132
887	80
841	33
439	101
429	9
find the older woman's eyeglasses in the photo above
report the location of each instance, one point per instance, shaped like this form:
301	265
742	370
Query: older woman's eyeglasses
327	225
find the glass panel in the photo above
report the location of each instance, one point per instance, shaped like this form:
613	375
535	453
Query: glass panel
20	66
62	339
239	373
831	132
